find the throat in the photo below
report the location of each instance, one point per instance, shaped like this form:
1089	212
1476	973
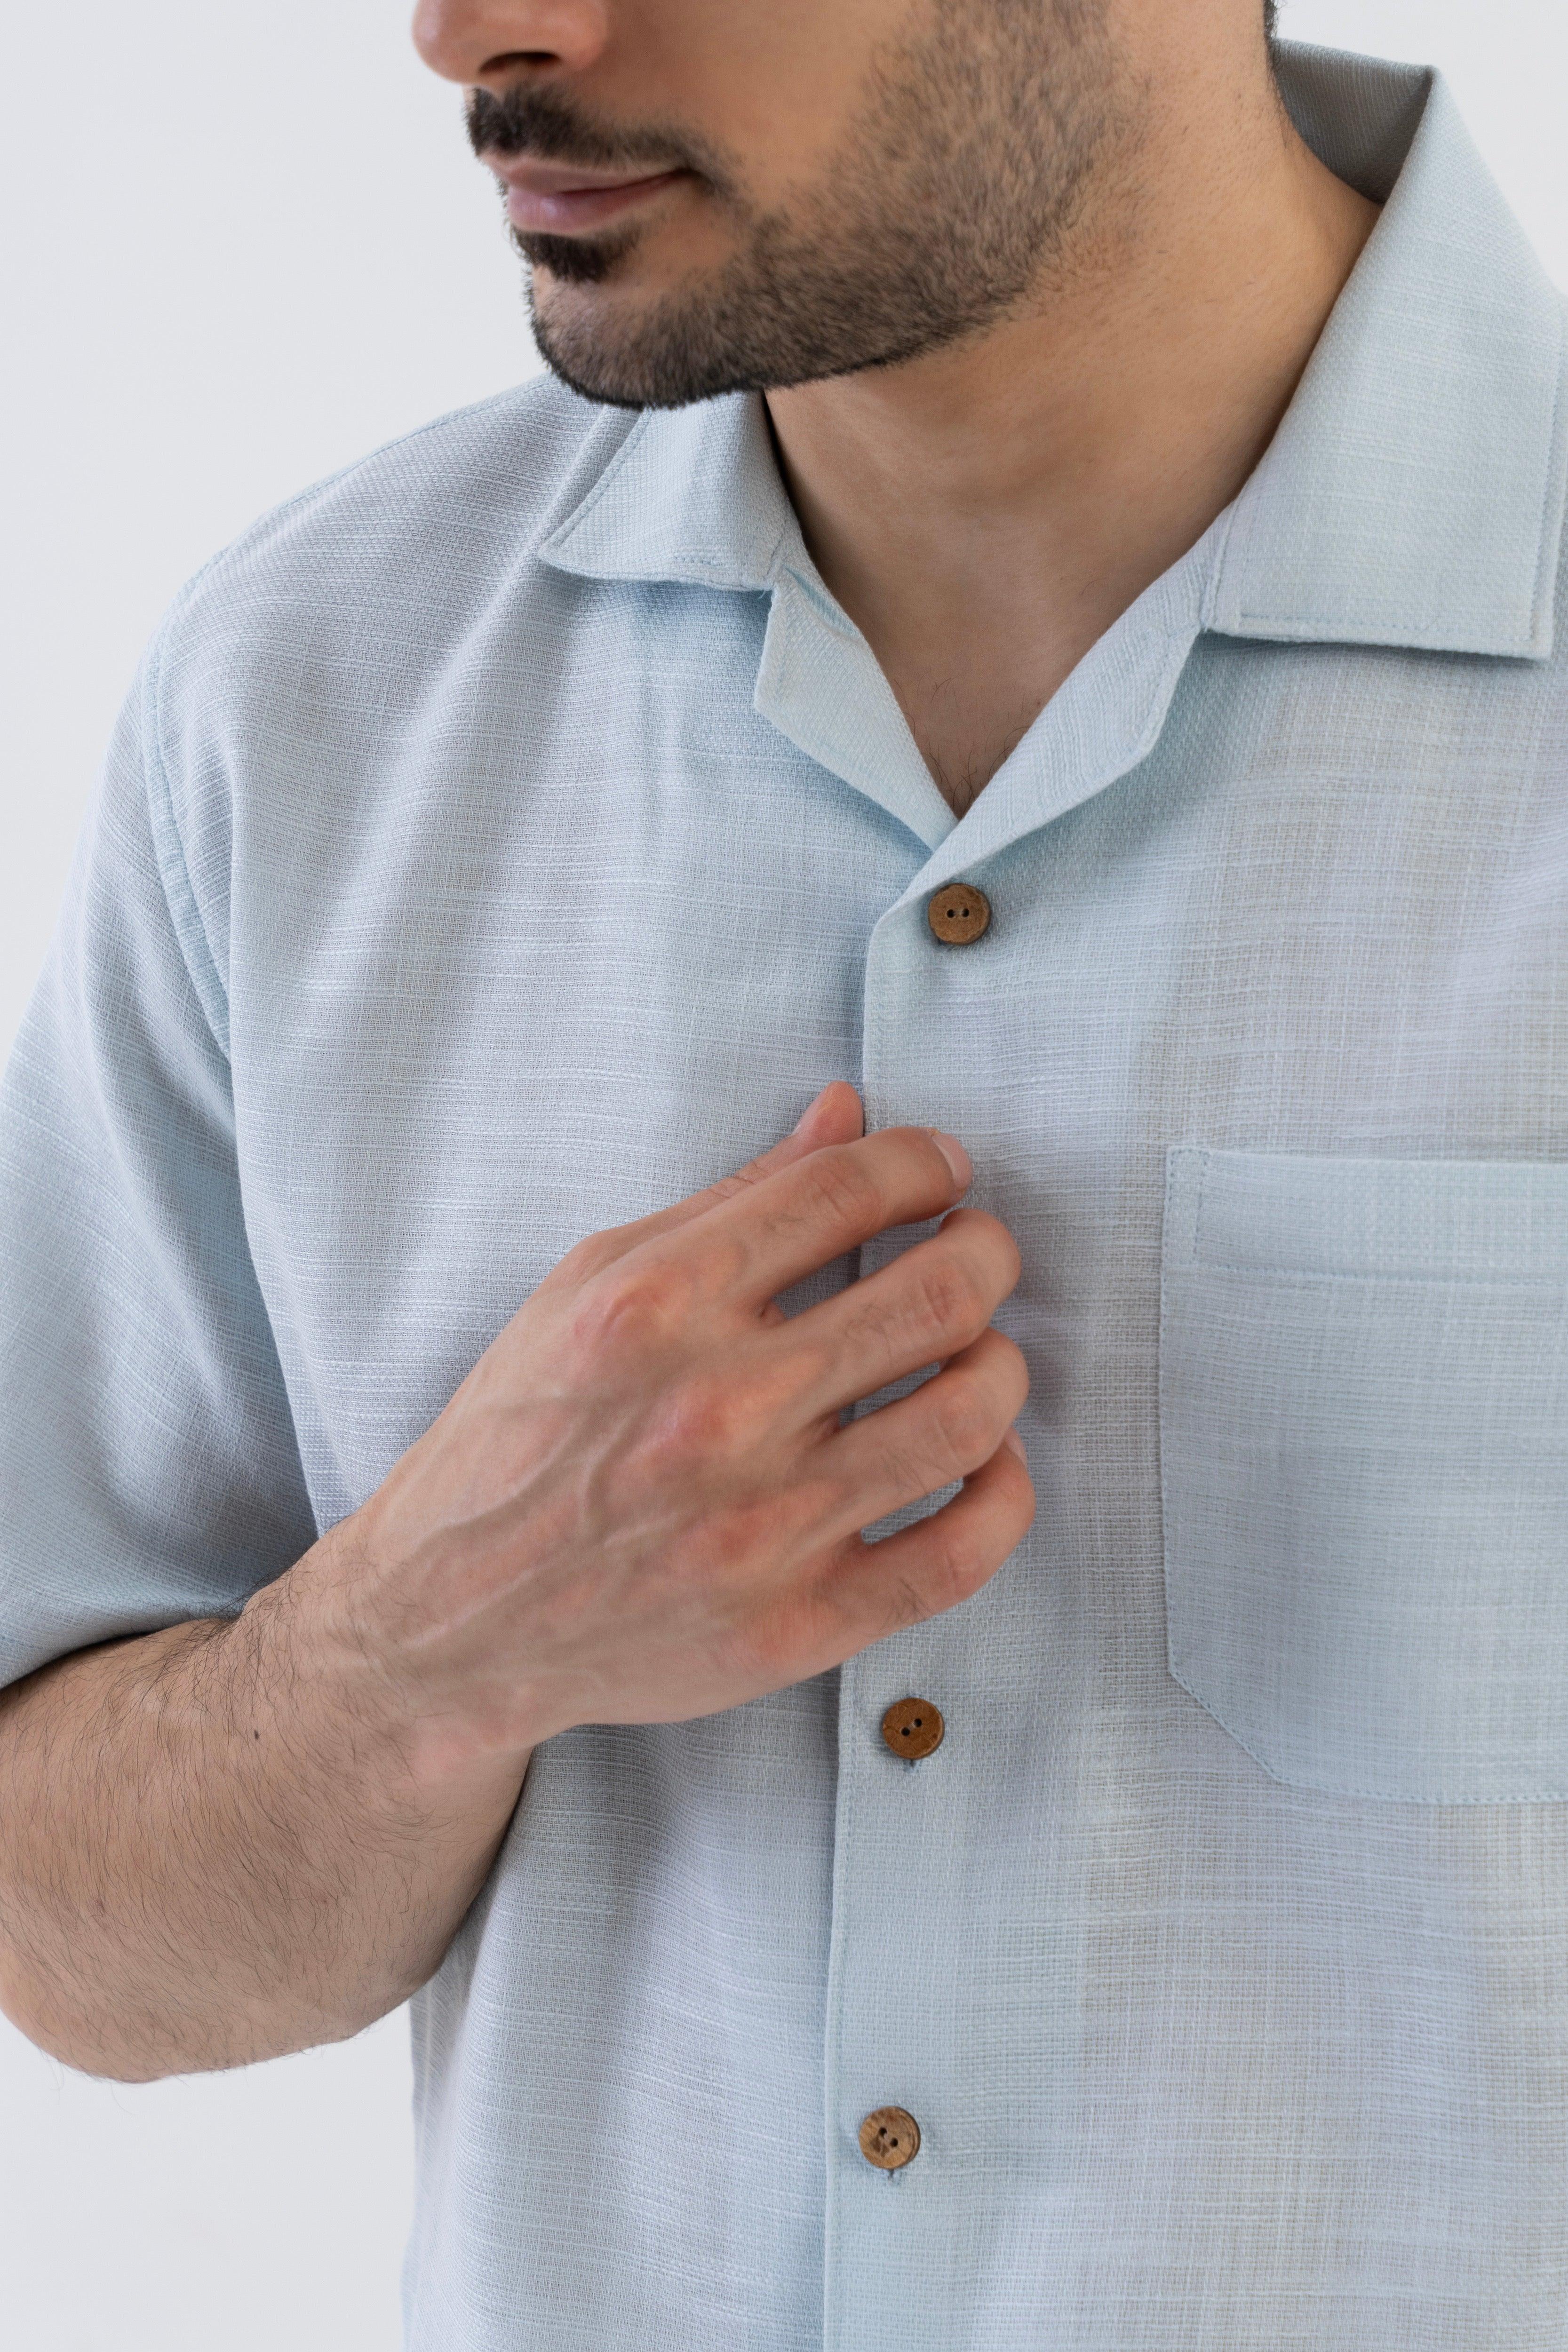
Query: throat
961	769
967	727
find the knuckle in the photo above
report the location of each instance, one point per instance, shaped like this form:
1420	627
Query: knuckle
948	1296
962	1423
588	1258
960	1562
890	1587
713	1571
933	1305
704	1417
908	1602
778	1640
631	1306
841	1188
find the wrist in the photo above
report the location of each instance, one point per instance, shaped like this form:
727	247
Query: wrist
358	1626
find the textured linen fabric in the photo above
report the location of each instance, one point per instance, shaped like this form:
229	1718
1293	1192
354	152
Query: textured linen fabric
1363	1554
513	836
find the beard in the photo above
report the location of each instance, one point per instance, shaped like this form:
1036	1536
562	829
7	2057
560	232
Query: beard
954	196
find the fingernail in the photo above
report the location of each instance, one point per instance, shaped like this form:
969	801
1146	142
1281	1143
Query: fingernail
957	1159
811	1105
1014	1444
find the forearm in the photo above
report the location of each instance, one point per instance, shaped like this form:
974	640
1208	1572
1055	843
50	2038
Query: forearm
643	1504
213	1849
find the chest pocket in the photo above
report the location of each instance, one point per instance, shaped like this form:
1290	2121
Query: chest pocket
1363	1415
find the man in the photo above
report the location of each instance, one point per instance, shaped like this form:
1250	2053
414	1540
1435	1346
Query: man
1035	614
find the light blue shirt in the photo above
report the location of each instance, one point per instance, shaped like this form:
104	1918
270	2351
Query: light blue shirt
511	836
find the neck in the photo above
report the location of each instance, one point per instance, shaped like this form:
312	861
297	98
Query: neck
984	513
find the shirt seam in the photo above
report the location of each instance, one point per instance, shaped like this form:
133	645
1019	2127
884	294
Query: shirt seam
1548	550
1350	1789
168	845
1271	1270
1273	1273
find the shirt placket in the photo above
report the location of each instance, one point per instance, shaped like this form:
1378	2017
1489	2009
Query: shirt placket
923	1713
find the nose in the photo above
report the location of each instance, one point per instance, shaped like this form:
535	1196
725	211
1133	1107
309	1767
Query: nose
487	43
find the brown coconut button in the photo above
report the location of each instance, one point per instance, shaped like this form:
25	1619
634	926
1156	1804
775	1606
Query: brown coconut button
958	914
912	1727
890	2139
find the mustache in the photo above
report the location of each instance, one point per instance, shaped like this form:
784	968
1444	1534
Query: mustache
524	121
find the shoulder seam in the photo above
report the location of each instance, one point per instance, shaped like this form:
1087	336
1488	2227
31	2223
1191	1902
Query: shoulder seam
272	515
384	448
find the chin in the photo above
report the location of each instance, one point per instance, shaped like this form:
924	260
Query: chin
588	366
617	343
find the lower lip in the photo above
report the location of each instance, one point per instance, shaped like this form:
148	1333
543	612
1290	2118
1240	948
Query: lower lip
565	209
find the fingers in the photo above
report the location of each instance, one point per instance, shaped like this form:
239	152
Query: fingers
945	1430
799	1217
928	1304
876	1588
834	1117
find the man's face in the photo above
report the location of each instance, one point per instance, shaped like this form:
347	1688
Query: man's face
726	194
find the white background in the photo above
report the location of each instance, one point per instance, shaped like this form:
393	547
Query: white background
243	247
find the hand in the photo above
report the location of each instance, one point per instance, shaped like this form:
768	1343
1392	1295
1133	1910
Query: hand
641	1505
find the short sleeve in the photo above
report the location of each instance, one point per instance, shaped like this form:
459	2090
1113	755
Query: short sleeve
149	1472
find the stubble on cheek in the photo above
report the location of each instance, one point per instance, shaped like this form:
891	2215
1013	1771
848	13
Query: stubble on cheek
952	190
